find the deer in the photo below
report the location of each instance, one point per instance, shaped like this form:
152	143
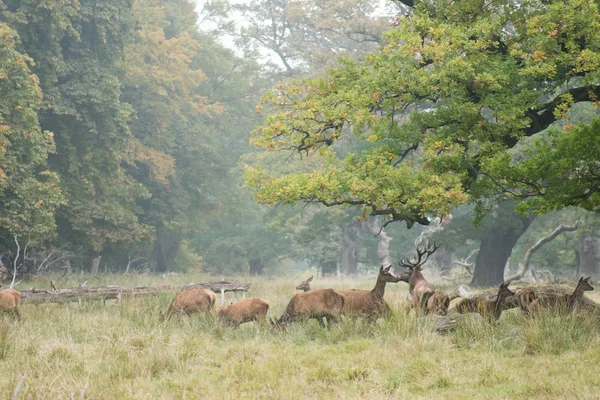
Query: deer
10	299
247	310
191	301
526	296
370	302
420	290
318	304
438	303
567	302
305	285
487	308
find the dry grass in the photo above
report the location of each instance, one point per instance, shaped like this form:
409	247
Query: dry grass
121	350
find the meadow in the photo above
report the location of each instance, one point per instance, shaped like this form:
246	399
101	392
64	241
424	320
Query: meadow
120	350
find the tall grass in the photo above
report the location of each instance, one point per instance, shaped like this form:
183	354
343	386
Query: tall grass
122	350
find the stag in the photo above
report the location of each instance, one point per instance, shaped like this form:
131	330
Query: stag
318	304
420	290
305	285
487	308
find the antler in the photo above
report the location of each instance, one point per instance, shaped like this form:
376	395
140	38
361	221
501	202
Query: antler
426	250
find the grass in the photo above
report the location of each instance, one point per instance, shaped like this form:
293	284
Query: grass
121	350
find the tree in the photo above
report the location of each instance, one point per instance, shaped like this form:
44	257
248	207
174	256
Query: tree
440	105
29	192
77	47
305	36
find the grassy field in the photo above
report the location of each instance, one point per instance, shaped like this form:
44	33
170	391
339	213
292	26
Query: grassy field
121	350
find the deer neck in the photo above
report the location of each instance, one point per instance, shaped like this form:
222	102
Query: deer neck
498	306
415	279
379	289
576	296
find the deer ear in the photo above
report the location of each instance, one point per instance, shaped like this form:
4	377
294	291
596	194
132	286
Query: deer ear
381	269
588	278
580	279
388	268
309	279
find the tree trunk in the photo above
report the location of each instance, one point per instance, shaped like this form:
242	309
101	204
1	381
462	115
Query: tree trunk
589	254
383	247
94	266
350	252
329	268
256	267
443	259
166	248
496	246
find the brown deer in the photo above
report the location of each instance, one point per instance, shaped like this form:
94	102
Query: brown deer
420	290
562	303
526	296
318	304
305	285
369	302
438	303
247	310
487	308
191	301
10	299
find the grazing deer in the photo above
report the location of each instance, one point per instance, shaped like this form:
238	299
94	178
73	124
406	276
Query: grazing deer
305	285
369	302
567	302
191	301
487	308
9	302
420	290
247	310
317	304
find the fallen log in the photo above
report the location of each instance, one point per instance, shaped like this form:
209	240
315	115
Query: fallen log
34	296
541	291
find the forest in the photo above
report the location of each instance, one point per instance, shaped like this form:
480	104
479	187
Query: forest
271	136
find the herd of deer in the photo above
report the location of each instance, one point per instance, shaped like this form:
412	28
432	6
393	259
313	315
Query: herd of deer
330	304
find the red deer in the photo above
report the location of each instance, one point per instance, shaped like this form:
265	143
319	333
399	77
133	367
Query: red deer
369	302
420	290
317	304
191	301
487	308
9	302
563	303
526	296
305	285
247	310
438	303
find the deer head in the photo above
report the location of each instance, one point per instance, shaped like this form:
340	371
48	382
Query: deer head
305	285
504	291
386	276
584	284
424	250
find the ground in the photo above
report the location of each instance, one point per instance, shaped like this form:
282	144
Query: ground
121	350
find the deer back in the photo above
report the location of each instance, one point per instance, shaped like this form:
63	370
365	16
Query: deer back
194	300
253	308
314	303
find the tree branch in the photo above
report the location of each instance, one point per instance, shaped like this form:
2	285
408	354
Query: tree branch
523	267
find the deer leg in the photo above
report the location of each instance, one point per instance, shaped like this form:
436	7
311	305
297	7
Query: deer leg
17	313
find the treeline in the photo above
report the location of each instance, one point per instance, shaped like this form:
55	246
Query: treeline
113	139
